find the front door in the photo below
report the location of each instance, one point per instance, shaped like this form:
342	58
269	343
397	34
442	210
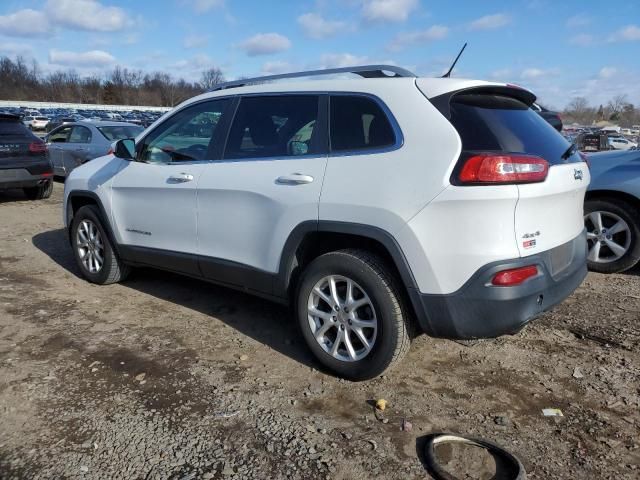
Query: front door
267	183
154	197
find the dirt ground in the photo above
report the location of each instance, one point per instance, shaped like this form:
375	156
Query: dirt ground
168	377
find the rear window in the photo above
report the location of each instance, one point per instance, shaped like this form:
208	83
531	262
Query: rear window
500	123
359	123
13	127
119	132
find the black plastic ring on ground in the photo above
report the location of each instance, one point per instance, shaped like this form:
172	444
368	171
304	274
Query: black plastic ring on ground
441	438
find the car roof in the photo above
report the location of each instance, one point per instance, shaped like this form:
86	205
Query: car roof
430	86
104	123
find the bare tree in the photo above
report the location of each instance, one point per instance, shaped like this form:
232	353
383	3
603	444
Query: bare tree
211	77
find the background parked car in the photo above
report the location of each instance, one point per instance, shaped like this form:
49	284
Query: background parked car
552	117
73	144
23	159
612	211
59	120
621	143
39	123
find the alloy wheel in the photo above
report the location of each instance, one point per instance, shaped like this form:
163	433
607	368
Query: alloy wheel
342	318
608	236
90	246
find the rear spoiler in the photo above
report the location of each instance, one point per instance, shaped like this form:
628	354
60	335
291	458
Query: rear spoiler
442	102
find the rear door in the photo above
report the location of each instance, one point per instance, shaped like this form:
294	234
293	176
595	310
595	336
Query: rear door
75	151
549	213
55	142
267	183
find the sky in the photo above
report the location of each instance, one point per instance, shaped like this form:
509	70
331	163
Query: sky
559	49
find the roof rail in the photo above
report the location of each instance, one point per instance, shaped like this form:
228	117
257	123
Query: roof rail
365	71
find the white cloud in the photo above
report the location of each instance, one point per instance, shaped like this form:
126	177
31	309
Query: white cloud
501	74
25	23
92	58
337	60
535	73
402	40
15	49
582	40
579	20
626	34
607	72
88	15
490	22
265	44
316	26
195	41
202	6
276	67
388	10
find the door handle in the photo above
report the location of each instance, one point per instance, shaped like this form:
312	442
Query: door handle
294	179
180	178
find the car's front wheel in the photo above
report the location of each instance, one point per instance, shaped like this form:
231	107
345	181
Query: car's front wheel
351	315
95	256
613	235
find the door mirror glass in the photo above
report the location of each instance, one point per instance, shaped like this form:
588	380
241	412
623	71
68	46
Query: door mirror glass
125	148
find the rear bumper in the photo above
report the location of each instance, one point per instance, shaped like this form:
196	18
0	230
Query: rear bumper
21	177
481	310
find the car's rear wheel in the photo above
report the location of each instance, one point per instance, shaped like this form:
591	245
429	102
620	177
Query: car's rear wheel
613	235
351	315
95	256
39	192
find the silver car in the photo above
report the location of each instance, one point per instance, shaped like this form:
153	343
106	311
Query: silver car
73	144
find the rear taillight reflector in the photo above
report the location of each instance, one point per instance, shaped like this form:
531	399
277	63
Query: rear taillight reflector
37	147
503	168
514	276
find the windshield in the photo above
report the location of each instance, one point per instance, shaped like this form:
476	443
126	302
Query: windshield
118	132
500	123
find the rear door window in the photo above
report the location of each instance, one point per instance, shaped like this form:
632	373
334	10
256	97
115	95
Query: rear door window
359	123
497	123
275	126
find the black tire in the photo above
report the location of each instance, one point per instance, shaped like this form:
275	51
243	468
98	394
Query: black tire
630	215
369	271
113	270
39	192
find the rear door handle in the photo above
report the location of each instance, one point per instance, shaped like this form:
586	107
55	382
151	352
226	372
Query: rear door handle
294	179
180	178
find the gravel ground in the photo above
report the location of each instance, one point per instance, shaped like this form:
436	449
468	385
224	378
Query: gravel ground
167	377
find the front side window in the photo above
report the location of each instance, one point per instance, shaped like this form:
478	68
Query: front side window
189	135
275	126
80	135
60	136
357	123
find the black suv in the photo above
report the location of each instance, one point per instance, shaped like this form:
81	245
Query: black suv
23	159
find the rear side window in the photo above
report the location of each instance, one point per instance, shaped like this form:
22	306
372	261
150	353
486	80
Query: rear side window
13	127
490	123
275	126
359	123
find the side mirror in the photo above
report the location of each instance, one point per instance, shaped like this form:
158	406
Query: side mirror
125	148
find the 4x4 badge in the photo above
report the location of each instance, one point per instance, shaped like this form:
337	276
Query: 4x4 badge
577	174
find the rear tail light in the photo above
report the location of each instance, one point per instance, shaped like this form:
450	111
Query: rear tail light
515	276
37	147
503	168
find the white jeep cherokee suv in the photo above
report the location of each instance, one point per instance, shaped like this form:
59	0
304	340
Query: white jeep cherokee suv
369	205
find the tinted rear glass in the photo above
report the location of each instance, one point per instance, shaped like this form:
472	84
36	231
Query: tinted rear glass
358	123
13	127
499	123
119	132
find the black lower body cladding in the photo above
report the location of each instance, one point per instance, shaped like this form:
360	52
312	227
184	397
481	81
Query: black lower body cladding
481	310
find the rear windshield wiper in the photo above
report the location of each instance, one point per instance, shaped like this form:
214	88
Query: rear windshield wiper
570	151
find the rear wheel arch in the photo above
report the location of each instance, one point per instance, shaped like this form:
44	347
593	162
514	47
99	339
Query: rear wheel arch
309	240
